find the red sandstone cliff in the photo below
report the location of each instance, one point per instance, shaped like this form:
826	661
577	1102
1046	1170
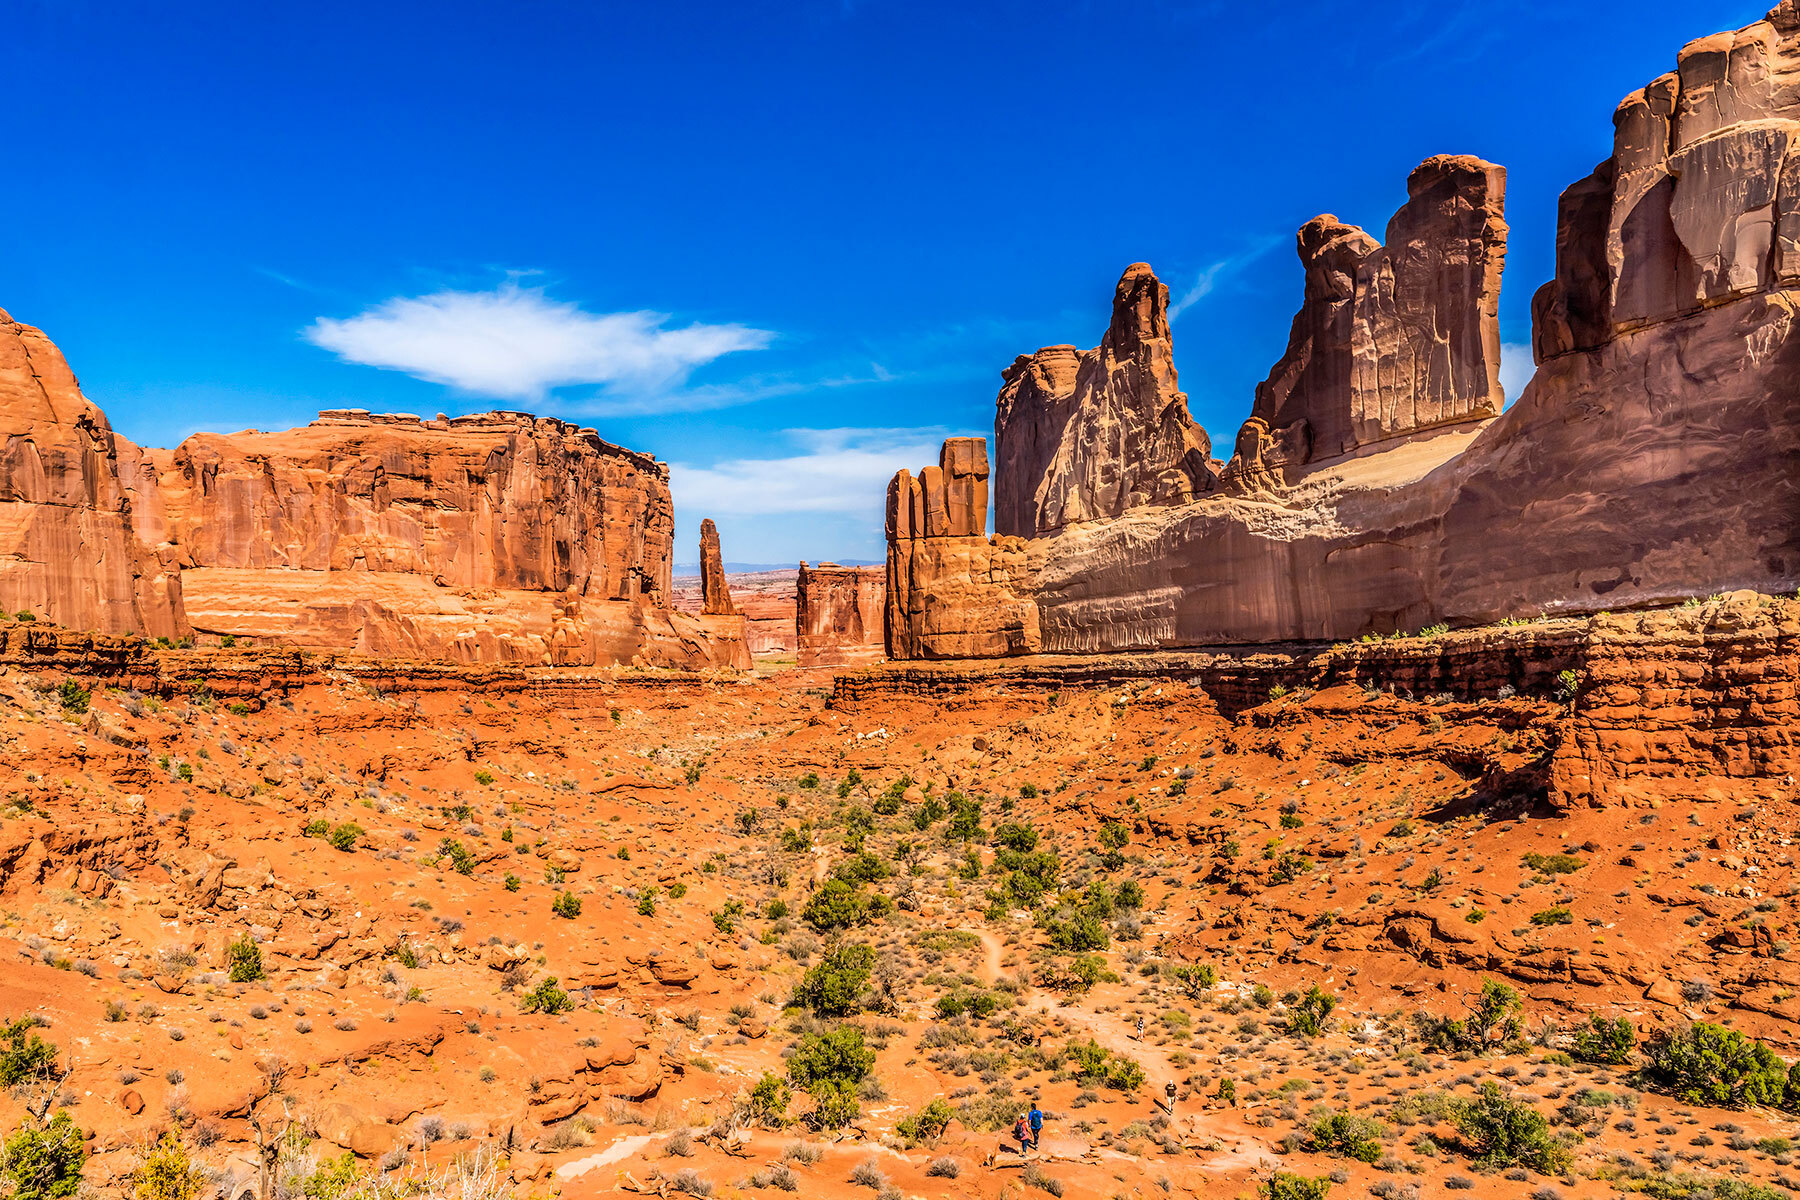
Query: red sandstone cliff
68	552
1655	455
839	615
500	537
1086	435
1390	339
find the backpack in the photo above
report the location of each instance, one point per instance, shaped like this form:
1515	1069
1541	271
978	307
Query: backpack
1019	1134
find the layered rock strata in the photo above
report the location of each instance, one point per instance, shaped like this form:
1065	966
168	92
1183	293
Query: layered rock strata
839	615
68	550
1655	455
1389	339
943	573
1087	435
494	538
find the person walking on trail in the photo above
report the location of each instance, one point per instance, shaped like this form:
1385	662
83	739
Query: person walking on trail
1035	1120
1022	1134
1140	1032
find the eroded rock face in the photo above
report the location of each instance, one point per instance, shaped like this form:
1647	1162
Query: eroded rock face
715	593
950	594
68	551
500	537
499	500
1087	435
839	615
1655	456
1390	339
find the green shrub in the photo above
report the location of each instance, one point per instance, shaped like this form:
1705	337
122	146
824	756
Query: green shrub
776	909
1703	1063
44	1164
834	1106
168	1172
837	1056
243	960
23	1054
836	905
318	827
1285	1185
1557	915
546	998
646	905
1196	978
1084	933
566	905
459	856
926	1125
1501	1131
809	780
1493	1017
484	777
833	986
74	697
343	837
1347	1135
1113	836
511	881
1553	864
1095	1065
1020	838
769	1100
1604	1041
1308	1015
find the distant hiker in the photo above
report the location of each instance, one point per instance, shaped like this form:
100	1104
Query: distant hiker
1140	1031
1022	1134
1035	1120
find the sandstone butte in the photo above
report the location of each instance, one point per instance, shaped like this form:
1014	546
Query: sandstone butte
494	538
1377	485
406	892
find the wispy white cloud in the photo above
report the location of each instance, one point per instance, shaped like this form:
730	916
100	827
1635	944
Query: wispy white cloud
516	343
1516	369
1210	276
837	471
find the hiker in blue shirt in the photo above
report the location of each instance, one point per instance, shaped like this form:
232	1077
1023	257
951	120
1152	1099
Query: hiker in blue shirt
1036	1121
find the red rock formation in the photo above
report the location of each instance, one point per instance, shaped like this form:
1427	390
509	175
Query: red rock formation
949	595
501	537
1389	339
68	551
1655	455
839	615
499	500
1086	435
715	593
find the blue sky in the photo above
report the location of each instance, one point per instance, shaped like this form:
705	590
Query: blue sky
786	247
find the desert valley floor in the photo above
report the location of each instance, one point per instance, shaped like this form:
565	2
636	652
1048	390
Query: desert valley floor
605	930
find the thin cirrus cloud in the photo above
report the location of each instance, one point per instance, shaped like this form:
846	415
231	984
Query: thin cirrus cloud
831	471
1210	277
516	343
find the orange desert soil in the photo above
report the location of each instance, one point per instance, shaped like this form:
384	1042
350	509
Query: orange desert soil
1367	841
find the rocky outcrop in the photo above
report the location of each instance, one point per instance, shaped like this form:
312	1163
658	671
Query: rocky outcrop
1389	339
1655	455
501	537
68	550
715	593
1087	435
498	500
950	591
839	614
494	538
